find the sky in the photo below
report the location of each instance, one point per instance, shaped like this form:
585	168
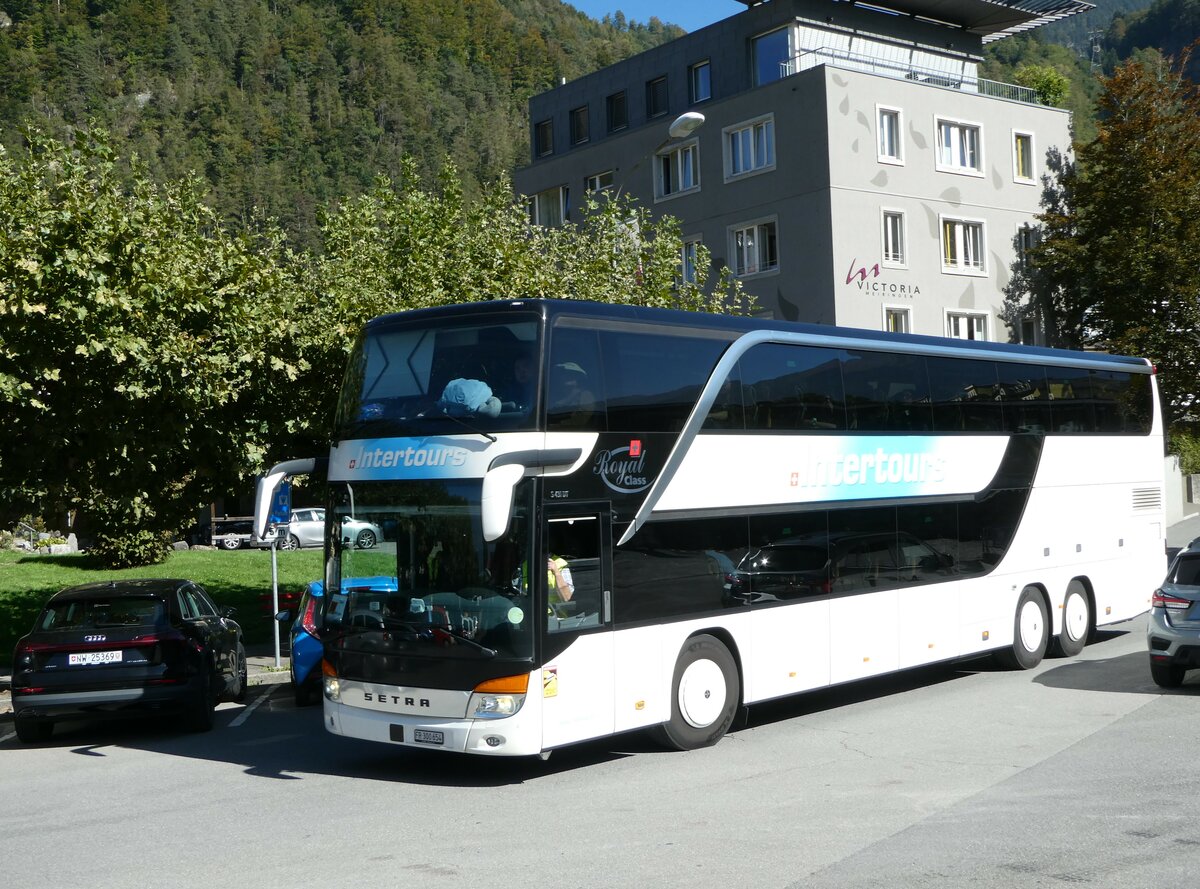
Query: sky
688	14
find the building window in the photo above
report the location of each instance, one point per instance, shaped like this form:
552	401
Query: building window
599	181
677	170
579	125
543	138
962	246
1023	157
1027	239
959	147
755	249
656	97
890	136
966	325
1028	332
893	238
750	147
617	111
772	54
700	82
549	208
687	264
897	320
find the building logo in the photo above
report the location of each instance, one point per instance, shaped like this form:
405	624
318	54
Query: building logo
867	281
623	469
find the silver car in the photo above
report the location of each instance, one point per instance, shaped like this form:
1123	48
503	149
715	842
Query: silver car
1173	631
307	528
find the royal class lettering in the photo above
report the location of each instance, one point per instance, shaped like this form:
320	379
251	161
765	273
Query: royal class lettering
386	458
621	472
879	468
376	697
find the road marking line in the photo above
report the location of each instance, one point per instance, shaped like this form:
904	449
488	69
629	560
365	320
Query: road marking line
7	737
245	714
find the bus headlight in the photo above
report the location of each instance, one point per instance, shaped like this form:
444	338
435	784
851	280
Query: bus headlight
332	686
495	706
498	698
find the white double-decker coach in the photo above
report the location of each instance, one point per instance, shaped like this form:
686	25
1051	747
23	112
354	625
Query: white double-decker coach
606	518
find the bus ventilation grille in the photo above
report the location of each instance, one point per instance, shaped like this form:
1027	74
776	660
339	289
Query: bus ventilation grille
1147	498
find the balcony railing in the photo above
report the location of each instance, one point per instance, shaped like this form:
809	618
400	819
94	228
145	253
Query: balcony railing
811	58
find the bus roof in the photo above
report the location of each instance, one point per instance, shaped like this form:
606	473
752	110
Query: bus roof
549	309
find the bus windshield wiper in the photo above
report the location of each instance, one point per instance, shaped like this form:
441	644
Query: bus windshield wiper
463	423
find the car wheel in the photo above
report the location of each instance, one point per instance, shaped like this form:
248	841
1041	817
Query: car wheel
705	694
231	543
290	542
243	677
1076	621
1031	632
365	539
1166	675
30	731
200	713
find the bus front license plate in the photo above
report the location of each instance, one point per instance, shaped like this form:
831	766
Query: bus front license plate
428	736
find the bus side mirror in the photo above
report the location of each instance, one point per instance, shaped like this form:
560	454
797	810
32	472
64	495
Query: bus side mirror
497	499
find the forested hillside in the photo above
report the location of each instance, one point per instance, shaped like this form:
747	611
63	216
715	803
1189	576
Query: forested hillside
286	105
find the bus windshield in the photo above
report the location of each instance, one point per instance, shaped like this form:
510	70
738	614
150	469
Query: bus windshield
441	377
457	596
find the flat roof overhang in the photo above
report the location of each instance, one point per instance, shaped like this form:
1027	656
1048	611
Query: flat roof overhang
990	19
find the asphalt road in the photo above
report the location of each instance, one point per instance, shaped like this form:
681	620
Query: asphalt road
1078	772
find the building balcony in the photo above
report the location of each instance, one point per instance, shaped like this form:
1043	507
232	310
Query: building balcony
962	80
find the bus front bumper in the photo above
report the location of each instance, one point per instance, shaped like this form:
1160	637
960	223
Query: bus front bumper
516	735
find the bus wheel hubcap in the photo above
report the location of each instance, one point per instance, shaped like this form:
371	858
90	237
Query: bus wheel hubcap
1076	616
1031	626
701	693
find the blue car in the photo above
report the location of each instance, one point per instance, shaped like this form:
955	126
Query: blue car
306	646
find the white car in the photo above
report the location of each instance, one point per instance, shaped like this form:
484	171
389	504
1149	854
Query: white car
307	528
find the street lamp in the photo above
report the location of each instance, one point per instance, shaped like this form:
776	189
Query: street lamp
684	125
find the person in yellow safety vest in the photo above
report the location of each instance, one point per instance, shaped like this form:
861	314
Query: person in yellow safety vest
558	580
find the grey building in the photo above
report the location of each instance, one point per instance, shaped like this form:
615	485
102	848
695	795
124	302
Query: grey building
851	168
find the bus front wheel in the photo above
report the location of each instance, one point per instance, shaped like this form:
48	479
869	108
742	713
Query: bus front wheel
705	694
1031	632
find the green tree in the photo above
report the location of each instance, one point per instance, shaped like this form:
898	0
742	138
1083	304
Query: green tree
132	326
1050	84
1119	250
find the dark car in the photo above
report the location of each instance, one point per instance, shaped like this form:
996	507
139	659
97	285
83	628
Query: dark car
1173	629
306	646
819	564
127	647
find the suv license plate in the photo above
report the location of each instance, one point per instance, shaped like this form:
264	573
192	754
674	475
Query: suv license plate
428	736
88	658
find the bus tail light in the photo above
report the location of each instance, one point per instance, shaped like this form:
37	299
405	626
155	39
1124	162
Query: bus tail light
498	698
331	685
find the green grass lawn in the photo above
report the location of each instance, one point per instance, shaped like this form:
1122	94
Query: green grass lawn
239	579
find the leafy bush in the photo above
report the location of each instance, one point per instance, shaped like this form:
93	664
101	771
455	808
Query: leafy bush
131	549
1187	445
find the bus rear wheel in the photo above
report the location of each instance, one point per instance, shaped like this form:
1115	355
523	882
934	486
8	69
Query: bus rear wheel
1076	621
1031	632
704	698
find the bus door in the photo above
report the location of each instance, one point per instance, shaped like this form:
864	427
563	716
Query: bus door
577	643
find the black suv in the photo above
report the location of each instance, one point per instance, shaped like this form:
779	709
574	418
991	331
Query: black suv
127	647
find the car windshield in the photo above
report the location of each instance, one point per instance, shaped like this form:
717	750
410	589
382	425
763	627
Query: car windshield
457	595
113	611
1186	571
418	378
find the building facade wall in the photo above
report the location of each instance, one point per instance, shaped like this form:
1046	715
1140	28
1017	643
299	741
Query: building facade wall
827	189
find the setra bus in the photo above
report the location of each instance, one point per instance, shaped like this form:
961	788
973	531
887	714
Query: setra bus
608	518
